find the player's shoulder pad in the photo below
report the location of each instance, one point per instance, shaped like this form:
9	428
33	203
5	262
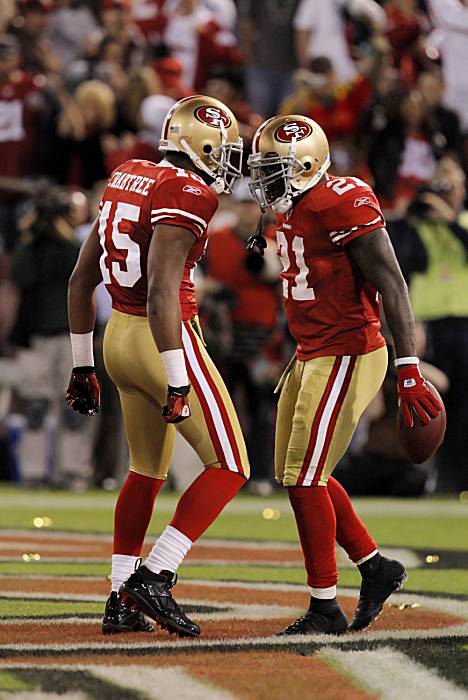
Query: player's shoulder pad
186	182
342	192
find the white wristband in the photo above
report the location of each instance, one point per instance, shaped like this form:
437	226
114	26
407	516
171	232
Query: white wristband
400	361
174	363
82	349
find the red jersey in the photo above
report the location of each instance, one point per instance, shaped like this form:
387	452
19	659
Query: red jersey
139	195
331	308
21	101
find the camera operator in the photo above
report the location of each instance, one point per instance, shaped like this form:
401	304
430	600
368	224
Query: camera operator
53	446
432	245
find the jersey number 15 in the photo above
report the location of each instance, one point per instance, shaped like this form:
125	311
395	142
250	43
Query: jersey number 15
125	277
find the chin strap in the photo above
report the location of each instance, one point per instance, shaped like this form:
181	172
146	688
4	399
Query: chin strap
218	185
257	240
283	205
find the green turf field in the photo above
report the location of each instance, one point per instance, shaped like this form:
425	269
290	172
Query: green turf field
433	533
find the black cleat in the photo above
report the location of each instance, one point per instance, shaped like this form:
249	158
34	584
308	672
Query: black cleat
318	620
151	593
376	587
121	617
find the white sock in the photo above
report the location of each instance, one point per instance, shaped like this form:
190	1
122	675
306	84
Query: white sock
324	593
369	556
123	566
168	552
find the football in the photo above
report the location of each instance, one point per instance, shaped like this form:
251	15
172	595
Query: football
421	441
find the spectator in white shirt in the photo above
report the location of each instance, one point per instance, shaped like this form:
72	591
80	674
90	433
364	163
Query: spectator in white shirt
450	38
320	31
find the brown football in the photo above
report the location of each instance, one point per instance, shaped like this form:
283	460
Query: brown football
421	441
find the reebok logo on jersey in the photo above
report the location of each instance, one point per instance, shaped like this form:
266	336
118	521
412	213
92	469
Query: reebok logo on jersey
191	189
408	383
360	201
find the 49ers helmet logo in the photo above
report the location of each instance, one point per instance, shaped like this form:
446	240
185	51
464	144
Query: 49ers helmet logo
298	130
213	116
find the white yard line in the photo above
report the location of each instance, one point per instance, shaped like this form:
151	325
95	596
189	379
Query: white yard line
197	644
450	606
393	675
221	611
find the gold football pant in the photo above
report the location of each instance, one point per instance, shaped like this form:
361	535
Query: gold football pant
320	404
135	366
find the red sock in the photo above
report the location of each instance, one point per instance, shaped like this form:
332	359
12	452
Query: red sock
133	512
204	500
316	525
351	533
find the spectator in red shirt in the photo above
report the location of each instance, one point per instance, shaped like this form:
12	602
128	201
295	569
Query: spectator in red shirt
335	106
405	31
30	27
252	281
21	106
228	85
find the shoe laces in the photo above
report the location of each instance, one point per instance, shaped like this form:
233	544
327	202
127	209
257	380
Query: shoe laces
305	618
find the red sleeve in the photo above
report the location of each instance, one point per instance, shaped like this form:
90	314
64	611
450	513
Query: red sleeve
182	201
353	215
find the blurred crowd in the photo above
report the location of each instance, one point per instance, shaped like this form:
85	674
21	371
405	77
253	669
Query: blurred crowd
85	85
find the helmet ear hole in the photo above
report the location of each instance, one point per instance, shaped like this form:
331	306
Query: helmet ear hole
308	165
207	148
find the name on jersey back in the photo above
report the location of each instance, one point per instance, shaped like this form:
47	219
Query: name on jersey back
131	183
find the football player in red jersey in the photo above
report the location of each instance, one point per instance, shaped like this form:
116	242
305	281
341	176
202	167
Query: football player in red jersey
336	257
151	230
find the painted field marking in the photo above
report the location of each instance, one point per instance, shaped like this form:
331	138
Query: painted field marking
39	695
379	507
7	541
162	683
449	606
392	675
117	646
408	559
227	611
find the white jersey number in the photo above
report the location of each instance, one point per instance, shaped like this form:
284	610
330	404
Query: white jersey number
300	290
125	277
341	185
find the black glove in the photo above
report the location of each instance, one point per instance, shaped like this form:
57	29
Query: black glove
177	407
83	391
256	241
